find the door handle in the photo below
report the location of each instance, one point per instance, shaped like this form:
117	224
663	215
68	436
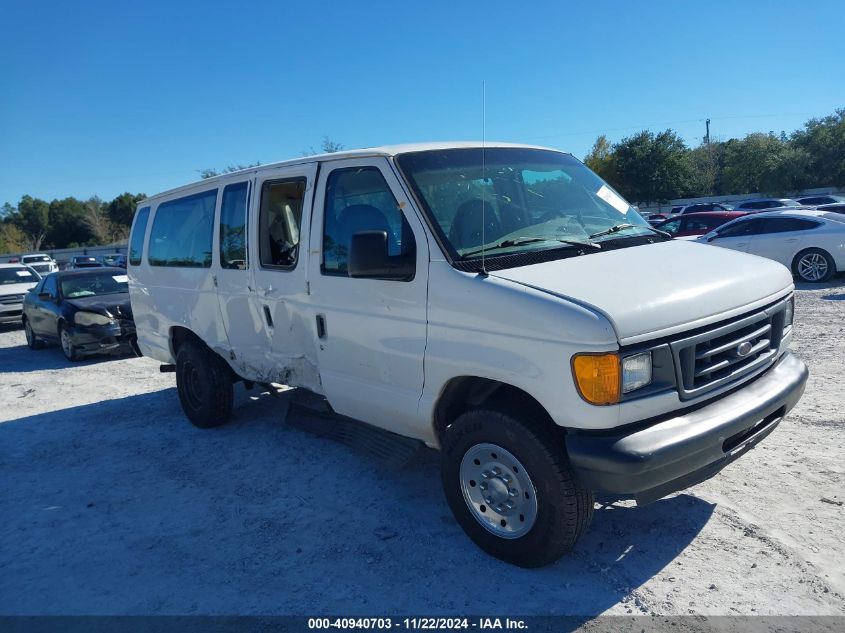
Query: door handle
321	326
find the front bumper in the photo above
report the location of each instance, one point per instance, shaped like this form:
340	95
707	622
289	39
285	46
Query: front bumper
103	339
675	453
11	313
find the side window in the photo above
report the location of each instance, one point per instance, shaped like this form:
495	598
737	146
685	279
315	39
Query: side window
182	231
745	227
671	227
51	287
279	220
787	225
233	253
136	242
357	200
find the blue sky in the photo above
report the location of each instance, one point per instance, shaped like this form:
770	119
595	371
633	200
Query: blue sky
106	97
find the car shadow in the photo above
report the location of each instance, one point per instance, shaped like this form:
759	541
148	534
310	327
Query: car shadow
122	507
21	359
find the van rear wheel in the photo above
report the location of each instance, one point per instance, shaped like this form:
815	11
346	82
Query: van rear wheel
204	384
511	489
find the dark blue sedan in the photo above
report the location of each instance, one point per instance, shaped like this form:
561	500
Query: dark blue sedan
86	311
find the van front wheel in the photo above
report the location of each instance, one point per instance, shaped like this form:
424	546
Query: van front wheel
204	383
511	489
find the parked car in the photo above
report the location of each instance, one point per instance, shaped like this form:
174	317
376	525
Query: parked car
432	291
810	243
694	224
15	281
86	311
83	261
40	263
656	218
820	200
115	260
839	207
702	207
760	204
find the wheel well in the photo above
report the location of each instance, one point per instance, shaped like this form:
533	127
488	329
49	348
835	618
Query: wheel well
472	392
179	335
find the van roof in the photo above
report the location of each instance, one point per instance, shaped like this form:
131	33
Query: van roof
384	150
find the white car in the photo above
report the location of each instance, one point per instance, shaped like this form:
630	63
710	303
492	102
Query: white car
498	302
40	263
15	281
810	243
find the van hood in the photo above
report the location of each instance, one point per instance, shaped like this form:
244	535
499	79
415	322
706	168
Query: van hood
660	289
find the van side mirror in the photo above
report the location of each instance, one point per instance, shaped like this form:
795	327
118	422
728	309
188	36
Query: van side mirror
369	258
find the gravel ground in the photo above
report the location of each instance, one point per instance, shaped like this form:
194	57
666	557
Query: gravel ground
111	503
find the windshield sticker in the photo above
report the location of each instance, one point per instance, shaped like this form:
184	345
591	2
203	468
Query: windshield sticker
23	273
613	199
121	279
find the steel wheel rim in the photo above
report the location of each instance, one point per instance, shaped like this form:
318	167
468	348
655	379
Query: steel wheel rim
498	491
67	346
813	266
192	386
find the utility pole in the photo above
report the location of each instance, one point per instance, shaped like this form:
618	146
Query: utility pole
707	135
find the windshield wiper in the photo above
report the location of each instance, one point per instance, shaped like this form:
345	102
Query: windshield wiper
529	240
621	227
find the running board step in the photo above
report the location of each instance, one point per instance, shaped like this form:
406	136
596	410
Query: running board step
313	414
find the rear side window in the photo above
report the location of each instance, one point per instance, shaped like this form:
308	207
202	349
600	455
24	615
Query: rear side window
136	242
279	220
787	225
233	226
182	231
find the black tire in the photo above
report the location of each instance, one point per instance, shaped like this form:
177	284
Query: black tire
68	349
32	341
204	384
799	270
563	507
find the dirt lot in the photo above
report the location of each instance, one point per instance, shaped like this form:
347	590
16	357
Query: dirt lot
111	503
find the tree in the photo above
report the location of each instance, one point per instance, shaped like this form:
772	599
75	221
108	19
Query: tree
652	167
823	140
33	219
12	239
766	163
602	160
211	172
328	146
121	210
68	225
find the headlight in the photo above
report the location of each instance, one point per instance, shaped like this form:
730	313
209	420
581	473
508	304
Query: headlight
789	312
90	318
636	371
603	378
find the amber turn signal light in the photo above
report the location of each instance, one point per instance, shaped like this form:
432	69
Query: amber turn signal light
598	377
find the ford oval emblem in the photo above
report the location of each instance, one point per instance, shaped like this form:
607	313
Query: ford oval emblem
743	349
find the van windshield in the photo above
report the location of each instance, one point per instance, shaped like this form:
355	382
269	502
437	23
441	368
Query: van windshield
512	200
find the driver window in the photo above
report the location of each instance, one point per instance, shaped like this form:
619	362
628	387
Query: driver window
50	287
359	199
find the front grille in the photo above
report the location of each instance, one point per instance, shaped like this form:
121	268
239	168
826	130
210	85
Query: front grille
9	300
729	352
41	268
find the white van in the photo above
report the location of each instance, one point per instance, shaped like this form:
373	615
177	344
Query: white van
501	303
